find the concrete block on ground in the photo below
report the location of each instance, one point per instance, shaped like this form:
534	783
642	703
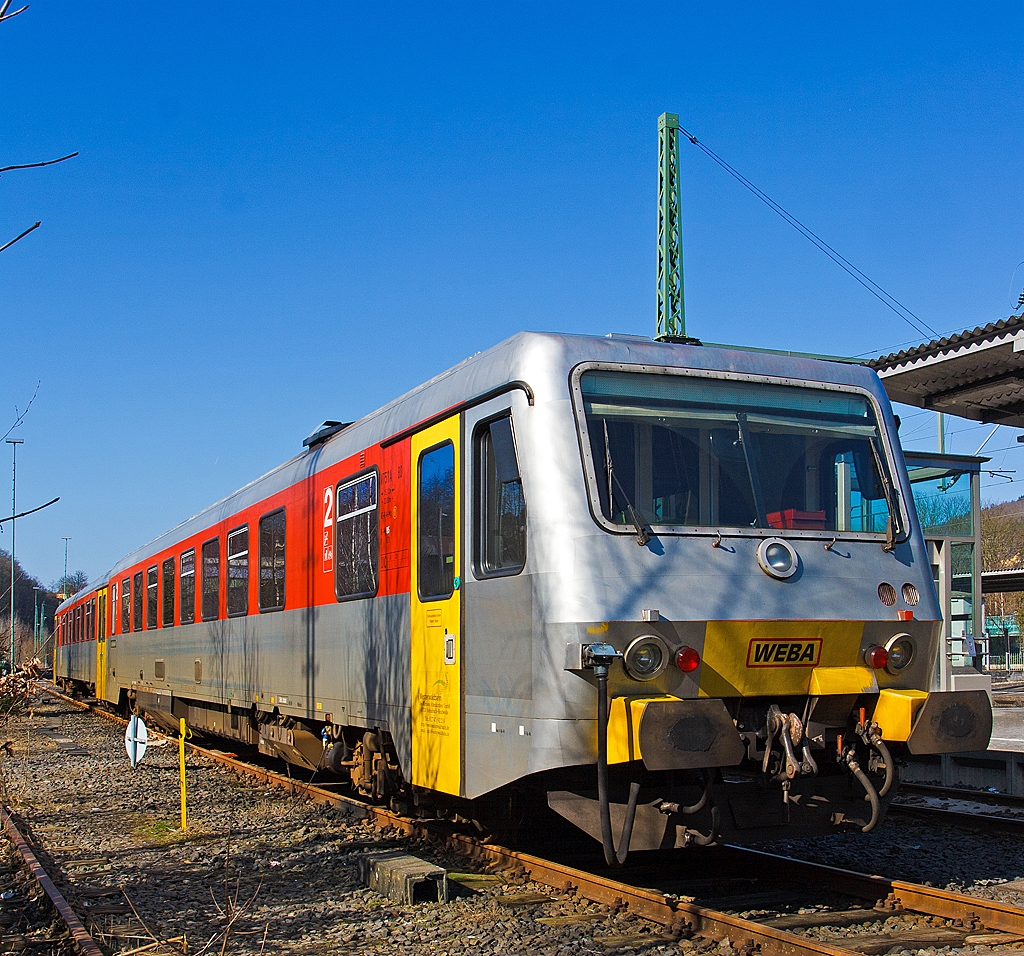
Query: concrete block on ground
404	878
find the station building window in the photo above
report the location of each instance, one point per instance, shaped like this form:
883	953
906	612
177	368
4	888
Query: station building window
357	542
137	603
500	541
188	586
238	572
272	528
126	605
211	580
168	574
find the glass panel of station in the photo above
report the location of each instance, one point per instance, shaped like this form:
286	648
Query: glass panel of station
947	497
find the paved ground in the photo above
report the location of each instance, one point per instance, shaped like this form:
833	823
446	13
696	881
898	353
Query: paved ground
1007	728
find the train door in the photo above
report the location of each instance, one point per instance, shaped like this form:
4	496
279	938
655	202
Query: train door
436	608
101	644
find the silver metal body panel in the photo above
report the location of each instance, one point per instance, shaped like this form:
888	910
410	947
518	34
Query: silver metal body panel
523	711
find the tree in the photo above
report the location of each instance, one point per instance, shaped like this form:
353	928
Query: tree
5	6
72	584
1002	549
29	593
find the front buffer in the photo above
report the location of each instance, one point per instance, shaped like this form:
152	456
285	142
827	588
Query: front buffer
743	770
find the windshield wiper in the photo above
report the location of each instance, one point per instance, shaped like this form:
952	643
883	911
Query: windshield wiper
642	536
892	526
755	483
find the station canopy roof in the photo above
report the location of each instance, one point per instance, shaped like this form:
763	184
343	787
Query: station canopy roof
977	374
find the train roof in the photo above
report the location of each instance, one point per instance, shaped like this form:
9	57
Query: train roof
543	361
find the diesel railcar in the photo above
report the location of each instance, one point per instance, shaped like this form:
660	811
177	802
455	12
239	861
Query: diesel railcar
678	593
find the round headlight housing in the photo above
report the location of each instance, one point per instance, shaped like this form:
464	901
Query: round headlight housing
901	652
646	657
777	558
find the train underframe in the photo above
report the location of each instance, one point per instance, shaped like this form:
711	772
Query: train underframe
805	766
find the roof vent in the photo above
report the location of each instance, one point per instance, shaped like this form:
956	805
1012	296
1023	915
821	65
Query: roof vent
325	431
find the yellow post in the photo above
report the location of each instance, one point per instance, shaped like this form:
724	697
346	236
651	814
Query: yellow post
181	773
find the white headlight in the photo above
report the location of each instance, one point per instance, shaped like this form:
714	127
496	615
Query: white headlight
777	558
646	657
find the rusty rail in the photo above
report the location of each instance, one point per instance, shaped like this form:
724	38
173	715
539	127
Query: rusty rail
79	934
659	908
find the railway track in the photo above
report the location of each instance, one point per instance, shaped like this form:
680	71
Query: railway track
741	895
954	806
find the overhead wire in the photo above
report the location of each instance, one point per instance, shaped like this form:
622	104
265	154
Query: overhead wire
914	321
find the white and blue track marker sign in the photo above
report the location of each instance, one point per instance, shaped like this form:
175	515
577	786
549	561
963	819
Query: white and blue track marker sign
136	737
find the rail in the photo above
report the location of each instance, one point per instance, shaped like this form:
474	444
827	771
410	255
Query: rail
85	943
665	909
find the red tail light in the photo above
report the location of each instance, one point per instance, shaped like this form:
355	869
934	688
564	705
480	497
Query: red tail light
688	660
877	657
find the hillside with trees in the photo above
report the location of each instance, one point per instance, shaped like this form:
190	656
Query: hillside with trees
1002	548
25	598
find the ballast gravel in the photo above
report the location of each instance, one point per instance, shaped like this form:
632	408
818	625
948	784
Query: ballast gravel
284	872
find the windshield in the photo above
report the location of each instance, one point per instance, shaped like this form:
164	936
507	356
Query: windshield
702	452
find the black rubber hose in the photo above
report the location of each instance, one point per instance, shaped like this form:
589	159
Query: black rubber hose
612	856
890	769
699	838
869	789
602	766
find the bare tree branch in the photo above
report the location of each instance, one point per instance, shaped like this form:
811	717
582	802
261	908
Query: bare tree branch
4	15
48	162
22	236
21	417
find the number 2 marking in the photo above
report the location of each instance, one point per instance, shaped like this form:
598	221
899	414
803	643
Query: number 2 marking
328	506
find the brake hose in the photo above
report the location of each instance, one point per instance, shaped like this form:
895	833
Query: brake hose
612	856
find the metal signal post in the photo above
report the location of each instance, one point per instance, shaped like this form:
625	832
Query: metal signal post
671	311
14	442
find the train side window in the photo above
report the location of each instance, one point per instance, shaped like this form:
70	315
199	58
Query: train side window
101	612
137	601
211	580
126	605
168	573
188	586
500	541
435	544
238	571
357	543
77	622
152	597
89	620
272	528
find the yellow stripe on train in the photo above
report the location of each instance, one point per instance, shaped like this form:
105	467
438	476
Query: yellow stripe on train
757	658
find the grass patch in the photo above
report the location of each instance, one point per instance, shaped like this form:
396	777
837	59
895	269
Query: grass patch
155	830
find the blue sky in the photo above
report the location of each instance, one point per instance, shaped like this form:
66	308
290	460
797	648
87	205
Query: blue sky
284	213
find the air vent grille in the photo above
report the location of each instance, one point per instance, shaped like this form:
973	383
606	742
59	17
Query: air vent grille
887	594
910	595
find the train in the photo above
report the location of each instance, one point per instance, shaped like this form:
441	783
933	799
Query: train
677	594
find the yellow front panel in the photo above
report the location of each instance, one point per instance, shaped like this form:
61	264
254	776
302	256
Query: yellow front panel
624	727
436	650
777	658
895	711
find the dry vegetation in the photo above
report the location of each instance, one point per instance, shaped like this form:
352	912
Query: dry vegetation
1002	548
